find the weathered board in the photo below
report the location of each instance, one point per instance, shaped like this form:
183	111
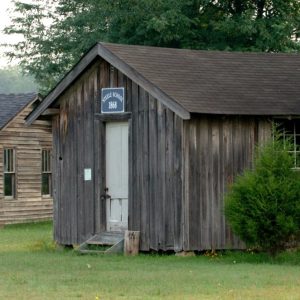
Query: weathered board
28	142
179	169
216	150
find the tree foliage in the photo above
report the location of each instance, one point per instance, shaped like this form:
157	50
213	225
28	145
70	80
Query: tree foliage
253	25
57	32
263	205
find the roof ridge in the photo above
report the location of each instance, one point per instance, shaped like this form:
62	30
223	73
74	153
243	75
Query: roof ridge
212	51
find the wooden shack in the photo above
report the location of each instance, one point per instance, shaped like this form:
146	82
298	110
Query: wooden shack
149	139
25	162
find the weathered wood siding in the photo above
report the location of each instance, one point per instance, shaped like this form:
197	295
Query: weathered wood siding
73	151
155	173
178	170
216	149
154	163
28	142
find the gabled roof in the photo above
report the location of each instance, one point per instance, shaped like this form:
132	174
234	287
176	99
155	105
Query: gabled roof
207	82
12	104
215	82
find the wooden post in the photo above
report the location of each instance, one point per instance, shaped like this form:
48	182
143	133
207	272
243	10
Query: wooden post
131	242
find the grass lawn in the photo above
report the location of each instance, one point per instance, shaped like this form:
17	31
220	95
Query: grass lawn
31	268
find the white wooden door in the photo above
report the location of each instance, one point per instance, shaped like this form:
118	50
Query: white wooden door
117	176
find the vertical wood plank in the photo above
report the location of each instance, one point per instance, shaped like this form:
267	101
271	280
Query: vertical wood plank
65	230
214	182
128	104
97	153
153	167
170	201
140	188
130	176
144	170
193	212
186	197
178	182
228	170
198	185
91	155
104	83
72	157
135	205
161	187
115	78
204	216
80	164
56	179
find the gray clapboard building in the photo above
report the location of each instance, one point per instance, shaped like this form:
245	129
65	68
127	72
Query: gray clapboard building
149	139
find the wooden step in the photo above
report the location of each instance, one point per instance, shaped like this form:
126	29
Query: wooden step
106	238
113	239
84	251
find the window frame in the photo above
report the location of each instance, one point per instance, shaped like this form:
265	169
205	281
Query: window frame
11	171
294	134
46	160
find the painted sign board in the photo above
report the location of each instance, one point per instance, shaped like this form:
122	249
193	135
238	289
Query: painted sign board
112	100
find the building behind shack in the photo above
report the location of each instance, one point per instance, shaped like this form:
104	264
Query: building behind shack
25	162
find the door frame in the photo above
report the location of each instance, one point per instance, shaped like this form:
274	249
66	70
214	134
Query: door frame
117	188
100	165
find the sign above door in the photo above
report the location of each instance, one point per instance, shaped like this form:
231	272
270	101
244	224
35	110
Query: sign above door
112	100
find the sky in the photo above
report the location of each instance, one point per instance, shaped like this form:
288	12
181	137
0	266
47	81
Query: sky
4	21
5	5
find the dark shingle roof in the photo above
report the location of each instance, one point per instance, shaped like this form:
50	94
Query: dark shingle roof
207	82
217	82
12	104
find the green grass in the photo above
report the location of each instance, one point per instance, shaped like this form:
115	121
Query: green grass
31	267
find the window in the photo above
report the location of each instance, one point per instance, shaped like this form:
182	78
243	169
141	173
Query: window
290	129
9	173
46	172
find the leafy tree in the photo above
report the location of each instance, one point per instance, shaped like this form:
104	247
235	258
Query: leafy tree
253	25
263	205
57	32
13	81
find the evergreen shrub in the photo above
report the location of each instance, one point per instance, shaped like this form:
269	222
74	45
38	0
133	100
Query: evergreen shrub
263	204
